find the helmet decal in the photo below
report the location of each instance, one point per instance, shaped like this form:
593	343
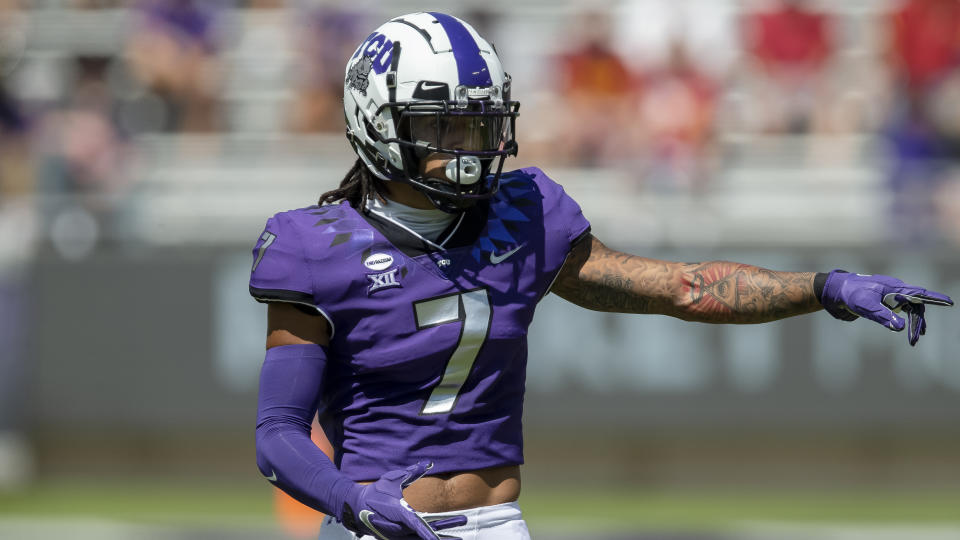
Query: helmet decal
471	66
380	49
358	77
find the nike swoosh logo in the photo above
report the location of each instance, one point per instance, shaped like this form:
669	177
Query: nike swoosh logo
365	518
497	259
273	476
425	86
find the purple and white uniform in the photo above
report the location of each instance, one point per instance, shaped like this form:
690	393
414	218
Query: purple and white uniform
428	354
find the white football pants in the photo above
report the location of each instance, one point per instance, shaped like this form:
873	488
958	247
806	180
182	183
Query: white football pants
498	522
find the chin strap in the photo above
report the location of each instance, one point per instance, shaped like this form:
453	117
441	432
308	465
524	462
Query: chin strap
449	205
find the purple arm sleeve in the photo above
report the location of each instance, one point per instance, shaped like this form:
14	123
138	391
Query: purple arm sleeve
290	385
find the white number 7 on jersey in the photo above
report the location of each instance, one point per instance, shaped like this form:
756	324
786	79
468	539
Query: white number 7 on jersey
473	309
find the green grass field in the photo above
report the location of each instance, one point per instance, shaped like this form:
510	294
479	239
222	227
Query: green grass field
718	511
208	503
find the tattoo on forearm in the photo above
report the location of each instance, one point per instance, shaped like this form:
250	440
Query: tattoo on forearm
733	292
601	279
598	278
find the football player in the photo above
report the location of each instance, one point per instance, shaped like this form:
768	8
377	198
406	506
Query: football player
398	307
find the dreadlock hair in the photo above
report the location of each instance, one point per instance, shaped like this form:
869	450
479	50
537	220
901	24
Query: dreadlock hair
357	187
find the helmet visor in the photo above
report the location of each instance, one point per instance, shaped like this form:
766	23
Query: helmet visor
463	131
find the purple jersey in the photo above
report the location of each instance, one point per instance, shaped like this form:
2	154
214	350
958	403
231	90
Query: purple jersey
428	355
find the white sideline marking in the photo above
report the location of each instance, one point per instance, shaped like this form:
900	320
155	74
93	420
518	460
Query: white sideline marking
74	528
83	528
763	530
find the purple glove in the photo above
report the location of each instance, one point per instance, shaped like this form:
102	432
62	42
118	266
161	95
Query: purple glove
878	298
378	509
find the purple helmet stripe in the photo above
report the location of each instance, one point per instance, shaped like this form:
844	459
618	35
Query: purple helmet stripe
471	66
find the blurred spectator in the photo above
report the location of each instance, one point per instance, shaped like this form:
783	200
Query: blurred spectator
82	157
595	86
677	111
923	51
15	177
646	30
173	52
915	165
325	39
923	56
789	47
924	43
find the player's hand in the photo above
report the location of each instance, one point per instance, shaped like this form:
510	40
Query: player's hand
879	298
378	509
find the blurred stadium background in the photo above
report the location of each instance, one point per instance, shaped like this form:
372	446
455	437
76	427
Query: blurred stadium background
143	145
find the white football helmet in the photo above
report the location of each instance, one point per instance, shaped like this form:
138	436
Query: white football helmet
427	83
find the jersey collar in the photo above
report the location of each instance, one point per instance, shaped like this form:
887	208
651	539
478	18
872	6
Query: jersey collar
462	232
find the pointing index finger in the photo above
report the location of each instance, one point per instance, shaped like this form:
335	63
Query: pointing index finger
915	295
931	297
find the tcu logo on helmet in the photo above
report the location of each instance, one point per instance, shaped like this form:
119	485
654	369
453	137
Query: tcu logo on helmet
380	49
